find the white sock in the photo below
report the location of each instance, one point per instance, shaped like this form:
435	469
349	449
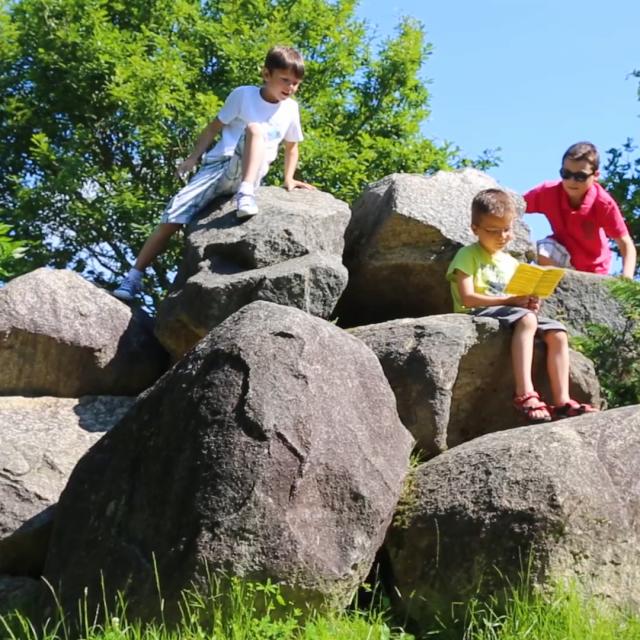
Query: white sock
246	188
135	274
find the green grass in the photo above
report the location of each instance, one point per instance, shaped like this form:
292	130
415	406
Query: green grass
238	610
250	611
562	614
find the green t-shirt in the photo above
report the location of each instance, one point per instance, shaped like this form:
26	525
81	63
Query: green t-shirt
490	272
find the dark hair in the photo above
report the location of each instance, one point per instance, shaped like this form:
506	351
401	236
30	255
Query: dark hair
583	151
287	58
492	202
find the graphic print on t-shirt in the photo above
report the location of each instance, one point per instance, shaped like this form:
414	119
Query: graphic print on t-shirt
494	279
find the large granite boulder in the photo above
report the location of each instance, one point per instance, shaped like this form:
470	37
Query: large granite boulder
560	500
404	231
41	439
272	450
582	299
290	254
19	593
453	379
62	336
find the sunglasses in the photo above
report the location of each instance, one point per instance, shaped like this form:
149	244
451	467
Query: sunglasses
578	176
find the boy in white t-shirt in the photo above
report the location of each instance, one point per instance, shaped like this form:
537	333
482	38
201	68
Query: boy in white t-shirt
252	123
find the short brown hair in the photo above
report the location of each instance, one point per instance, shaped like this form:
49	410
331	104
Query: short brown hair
583	151
286	58
492	202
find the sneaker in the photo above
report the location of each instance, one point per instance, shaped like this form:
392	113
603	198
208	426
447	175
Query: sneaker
128	289
246	205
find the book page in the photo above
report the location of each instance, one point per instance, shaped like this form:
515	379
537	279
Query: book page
548	281
534	280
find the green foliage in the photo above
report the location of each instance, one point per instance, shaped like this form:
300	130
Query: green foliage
232	610
253	611
102	97
11	253
622	179
563	613
616	355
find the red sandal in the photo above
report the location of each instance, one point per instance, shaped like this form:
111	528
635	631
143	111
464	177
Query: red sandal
527	411
571	409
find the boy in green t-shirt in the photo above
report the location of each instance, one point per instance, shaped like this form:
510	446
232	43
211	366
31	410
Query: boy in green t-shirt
478	275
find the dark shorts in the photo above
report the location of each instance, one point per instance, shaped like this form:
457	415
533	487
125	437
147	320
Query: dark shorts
508	316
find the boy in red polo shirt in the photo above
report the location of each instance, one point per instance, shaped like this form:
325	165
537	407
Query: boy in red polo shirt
582	215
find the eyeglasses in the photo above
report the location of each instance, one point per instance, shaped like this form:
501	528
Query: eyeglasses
498	232
578	176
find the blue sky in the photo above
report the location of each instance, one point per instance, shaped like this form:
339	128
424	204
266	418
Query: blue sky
529	76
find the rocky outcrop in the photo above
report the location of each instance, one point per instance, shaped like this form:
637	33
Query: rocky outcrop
582	299
272	450
41	439
452	376
404	231
23	552
561	500
290	254
18	593
62	336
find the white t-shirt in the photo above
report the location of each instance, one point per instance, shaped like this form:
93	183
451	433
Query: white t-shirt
281	120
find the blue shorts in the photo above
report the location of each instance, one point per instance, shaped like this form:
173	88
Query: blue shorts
217	176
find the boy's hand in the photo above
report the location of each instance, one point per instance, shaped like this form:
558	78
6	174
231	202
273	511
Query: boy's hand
292	184
518	301
185	167
534	304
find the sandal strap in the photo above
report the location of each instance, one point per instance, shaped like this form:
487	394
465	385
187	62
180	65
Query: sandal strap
520	400
529	410
572	409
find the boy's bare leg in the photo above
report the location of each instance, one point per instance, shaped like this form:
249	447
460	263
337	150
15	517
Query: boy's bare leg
253	154
522	359
558	365
155	244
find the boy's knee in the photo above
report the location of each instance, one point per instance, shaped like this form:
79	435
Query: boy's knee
556	336
529	321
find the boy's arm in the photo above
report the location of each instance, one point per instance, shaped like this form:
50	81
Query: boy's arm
628	253
203	142
470	298
532	200
290	164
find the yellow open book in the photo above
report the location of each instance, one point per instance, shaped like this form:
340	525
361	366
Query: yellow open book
534	280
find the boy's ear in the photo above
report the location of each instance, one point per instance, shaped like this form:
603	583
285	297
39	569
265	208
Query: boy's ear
266	74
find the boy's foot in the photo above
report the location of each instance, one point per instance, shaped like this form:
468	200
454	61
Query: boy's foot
533	409
128	289
246	205
572	409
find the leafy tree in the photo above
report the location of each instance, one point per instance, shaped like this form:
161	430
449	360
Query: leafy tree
11	252
102	97
616	354
622	180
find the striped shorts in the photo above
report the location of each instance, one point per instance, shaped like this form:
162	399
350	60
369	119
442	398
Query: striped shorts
217	176
550	248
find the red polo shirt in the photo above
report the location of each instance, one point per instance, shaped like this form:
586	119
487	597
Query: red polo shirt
582	231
